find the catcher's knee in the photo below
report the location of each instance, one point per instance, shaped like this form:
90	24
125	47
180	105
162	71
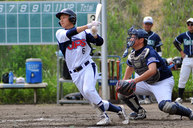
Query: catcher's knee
167	106
121	97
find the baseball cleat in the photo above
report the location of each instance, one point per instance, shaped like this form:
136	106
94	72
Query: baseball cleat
191	100
179	100
147	101
104	120
138	116
122	115
191	116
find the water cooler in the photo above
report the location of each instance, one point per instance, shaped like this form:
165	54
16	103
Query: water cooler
33	70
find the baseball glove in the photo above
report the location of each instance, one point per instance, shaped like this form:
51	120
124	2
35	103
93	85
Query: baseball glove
126	87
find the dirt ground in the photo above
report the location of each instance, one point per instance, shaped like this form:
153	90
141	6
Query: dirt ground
77	115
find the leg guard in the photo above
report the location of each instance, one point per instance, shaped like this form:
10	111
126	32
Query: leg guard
131	102
174	108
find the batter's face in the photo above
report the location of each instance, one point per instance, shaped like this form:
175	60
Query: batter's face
64	21
190	26
147	26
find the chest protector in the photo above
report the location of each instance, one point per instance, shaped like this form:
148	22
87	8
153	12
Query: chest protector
140	66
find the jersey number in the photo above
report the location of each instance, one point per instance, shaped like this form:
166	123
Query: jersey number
83	50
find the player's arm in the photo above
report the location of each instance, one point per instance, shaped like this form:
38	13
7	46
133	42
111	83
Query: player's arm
128	73
158	46
159	51
98	41
152	70
177	45
76	30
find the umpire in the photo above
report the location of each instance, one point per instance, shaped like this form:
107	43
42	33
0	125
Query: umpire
154	78
186	39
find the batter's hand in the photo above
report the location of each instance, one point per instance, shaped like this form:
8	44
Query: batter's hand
94	31
93	23
126	87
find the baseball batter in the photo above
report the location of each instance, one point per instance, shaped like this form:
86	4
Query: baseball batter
75	44
186	39
154	78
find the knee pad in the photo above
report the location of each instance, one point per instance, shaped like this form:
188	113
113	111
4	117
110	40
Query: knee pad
168	107
106	104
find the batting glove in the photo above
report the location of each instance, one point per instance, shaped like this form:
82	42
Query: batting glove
93	23
94	31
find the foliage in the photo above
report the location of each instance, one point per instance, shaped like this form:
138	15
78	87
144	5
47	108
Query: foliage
121	15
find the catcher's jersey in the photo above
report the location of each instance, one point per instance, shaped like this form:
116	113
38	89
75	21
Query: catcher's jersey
154	40
186	39
153	57
75	46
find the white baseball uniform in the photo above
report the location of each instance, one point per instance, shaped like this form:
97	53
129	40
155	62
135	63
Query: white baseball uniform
76	50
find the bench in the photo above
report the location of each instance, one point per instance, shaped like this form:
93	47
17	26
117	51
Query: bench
24	86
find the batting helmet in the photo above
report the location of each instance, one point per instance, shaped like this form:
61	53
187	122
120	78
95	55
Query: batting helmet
72	15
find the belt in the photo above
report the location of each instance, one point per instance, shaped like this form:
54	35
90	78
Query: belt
77	69
190	56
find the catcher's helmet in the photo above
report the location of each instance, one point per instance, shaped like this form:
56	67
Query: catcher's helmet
140	33
72	15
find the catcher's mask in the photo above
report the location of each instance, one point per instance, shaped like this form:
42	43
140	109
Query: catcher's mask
138	33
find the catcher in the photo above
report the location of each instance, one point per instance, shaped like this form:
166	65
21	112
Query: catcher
154	78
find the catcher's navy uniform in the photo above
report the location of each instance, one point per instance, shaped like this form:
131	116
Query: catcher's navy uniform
165	82
161	88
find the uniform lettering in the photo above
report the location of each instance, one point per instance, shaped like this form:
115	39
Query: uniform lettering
188	42
77	43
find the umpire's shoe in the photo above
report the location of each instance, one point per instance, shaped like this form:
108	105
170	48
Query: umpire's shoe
104	120
122	115
138	116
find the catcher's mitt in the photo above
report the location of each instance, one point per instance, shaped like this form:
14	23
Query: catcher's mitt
126	87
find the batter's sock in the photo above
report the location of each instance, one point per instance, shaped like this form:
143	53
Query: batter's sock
114	108
181	92
102	108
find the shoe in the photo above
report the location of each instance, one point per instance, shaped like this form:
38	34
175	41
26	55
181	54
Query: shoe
147	101
138	116
104	120
141	101
122	115
179	100
191	116
191	100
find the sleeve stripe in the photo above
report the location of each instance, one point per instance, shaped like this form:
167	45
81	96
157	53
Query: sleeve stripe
178	41
152	62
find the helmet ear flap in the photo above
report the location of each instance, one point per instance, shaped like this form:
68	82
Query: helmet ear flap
59	23
72	19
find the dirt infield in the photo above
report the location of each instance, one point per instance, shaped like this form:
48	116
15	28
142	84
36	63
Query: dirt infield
76	115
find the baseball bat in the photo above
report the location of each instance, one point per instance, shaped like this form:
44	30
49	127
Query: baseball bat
98	10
